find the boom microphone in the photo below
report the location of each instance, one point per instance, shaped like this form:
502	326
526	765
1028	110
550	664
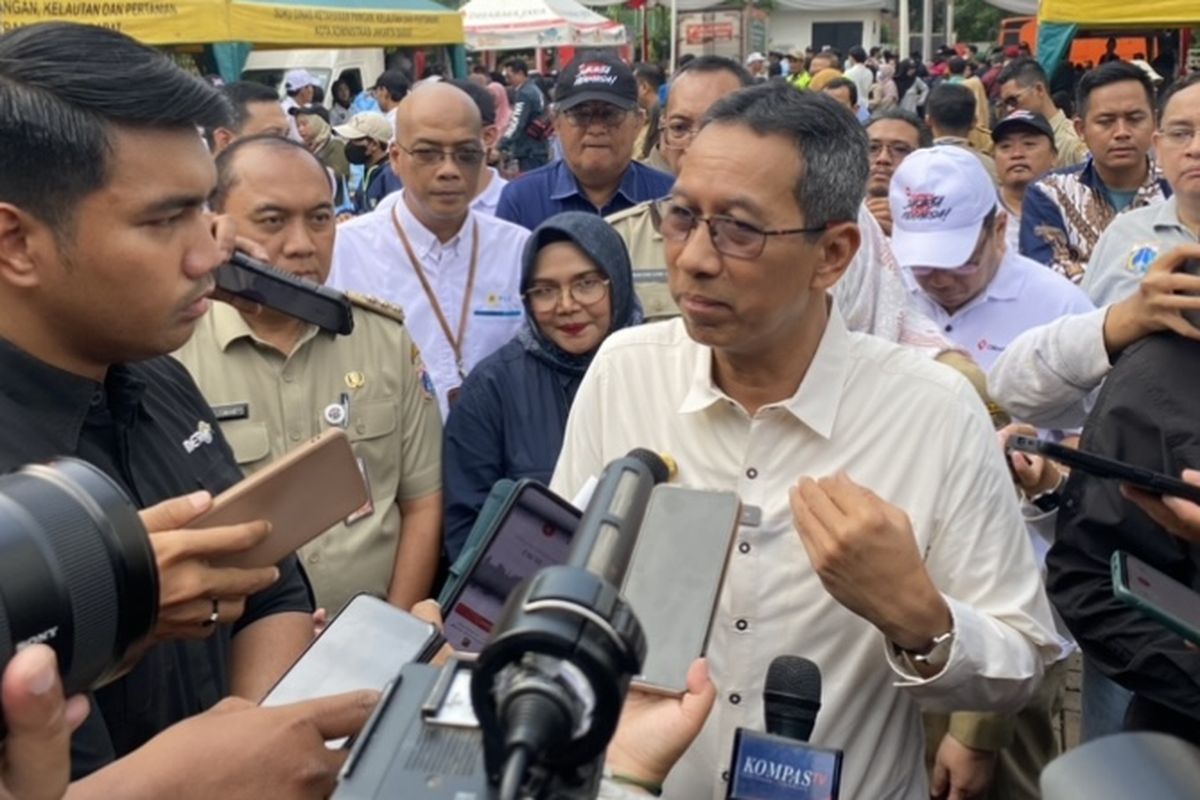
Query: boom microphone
549	685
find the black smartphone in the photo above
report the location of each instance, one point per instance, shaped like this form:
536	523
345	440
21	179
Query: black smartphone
533	530
1100	467
261	283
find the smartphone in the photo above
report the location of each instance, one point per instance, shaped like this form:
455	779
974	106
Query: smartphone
674	579
1100	467
261	283
302	494
533	530
363	647
1156	595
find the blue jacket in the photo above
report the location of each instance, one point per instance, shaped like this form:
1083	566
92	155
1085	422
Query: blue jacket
508	423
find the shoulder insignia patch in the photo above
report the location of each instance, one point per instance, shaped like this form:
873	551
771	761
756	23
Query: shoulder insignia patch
374	304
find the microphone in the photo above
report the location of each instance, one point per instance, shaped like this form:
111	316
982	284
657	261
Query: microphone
792	697
549	686
584	495
779	764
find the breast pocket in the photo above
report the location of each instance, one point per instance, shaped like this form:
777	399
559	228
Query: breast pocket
250	442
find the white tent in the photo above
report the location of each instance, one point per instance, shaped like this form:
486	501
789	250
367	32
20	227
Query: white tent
515	24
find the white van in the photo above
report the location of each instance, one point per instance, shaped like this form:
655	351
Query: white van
358	67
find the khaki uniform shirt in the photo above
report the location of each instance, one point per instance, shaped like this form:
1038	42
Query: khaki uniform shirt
372	383
1071	149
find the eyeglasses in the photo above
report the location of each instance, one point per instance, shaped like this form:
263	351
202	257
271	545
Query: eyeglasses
584	291
678	135
430	156
896	150
1013	100
729	236
605	115
1178	137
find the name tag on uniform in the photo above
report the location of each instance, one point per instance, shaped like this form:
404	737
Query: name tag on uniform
228	411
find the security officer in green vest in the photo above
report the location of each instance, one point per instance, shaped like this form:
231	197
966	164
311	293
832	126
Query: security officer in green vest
274	382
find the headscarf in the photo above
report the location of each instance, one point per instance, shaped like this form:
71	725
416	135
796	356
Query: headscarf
605	248
503	109
321	132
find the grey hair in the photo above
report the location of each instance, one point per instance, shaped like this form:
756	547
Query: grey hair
830	142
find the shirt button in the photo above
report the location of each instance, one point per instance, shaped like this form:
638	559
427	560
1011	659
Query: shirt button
361	427
744	547
741	624
735	698
949	328
294	434
752	473
725	776
98	398
314	558
287	377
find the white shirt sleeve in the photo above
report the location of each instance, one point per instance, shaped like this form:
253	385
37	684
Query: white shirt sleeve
1046	375
981	560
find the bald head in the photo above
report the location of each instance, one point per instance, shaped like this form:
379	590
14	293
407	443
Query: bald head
275	152
436	105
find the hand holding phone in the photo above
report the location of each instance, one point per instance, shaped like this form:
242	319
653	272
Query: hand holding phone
1097	466
195	596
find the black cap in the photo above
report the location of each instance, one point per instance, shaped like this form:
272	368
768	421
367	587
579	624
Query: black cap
315	109
1028	120
600	77
394	80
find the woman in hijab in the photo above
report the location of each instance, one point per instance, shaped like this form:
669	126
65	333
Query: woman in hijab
312	123
509	419
884	94
503	115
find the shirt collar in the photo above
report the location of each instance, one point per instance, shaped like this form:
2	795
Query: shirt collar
1007	282
815	403
423	240
63	399
567	185
229	326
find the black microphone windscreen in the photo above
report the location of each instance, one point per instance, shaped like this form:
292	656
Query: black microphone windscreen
653	461
792	697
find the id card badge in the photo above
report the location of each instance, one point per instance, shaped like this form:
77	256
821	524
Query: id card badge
367	508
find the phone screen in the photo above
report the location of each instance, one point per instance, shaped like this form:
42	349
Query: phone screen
363	647
1164	595
536	532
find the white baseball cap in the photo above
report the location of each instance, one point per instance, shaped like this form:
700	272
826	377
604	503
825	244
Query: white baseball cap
297	79
755	57
939	198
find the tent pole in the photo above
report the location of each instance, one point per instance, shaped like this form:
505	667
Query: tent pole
927	29
674	35
903	46
950	37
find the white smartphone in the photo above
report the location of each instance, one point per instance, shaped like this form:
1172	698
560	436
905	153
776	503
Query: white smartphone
363	647
674	579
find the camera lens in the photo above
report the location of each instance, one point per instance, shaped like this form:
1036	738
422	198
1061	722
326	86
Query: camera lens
76	570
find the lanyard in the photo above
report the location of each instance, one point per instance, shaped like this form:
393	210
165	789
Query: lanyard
456	342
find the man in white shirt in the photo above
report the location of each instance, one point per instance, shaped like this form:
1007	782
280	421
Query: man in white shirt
858	71
986	300
390	89
909	581
299	86
454	271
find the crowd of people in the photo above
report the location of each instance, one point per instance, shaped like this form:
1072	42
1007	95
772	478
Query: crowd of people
834	287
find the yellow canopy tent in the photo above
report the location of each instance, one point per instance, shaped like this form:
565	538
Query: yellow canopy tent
281	23
1059	20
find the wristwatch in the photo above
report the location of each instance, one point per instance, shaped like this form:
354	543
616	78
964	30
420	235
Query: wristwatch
1050	499
935	656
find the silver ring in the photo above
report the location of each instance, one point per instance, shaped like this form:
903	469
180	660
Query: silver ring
215	615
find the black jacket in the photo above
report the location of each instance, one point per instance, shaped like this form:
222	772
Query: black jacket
1148	414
